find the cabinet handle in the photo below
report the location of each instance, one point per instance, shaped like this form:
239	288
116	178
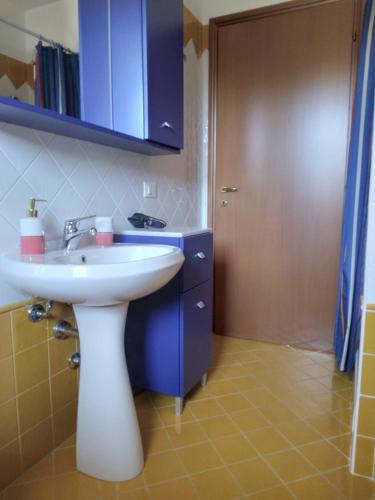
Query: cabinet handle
167	125
200	255
200	305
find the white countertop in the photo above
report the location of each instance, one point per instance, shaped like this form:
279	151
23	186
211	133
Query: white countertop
173	232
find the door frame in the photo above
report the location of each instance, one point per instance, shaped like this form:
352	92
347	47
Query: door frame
249	15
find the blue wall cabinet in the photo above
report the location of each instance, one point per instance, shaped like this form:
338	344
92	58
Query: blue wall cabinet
168	334
132	67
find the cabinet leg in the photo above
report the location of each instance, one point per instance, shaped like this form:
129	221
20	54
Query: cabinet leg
179	406
204	380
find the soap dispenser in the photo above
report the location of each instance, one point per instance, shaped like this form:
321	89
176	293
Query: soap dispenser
32	234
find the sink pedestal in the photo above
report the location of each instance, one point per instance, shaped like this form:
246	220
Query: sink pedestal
109	445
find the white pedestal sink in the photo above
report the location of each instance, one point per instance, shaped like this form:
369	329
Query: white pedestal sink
100	282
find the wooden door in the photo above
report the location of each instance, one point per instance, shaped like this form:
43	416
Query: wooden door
282	91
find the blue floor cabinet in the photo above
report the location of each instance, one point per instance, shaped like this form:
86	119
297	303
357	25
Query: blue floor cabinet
168	334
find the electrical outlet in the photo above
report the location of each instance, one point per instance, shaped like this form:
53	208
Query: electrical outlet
150	190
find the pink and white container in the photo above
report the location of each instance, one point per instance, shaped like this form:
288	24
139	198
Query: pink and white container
104	235
32	236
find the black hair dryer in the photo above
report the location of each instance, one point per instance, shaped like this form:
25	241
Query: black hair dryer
142	221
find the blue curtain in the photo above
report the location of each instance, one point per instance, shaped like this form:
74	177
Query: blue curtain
57	80
354	230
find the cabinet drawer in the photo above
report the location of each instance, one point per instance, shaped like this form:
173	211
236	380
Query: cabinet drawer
198	261
196	331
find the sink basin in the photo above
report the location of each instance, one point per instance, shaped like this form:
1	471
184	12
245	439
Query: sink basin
100	282
94	276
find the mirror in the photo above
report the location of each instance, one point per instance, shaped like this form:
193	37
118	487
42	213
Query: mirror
39	60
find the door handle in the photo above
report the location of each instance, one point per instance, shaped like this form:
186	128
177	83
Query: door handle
228	189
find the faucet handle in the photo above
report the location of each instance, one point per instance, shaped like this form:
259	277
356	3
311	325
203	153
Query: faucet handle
71	226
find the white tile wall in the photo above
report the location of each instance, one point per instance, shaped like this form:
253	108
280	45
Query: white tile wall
80	178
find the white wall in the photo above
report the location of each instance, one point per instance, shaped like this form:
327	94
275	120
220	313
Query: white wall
196	7
215	8
12	42
57	21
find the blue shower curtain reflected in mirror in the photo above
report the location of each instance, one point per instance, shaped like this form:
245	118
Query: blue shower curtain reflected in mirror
57	80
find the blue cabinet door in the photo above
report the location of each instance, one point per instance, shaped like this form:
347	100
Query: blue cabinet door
164	85
131	63
196	333
152	341
95	64
127	45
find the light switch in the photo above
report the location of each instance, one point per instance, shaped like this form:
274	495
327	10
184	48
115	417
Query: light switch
150	190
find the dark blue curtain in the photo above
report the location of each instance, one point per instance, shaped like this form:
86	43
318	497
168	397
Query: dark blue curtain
354	230
57	80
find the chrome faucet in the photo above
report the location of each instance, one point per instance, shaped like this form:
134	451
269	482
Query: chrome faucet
73	233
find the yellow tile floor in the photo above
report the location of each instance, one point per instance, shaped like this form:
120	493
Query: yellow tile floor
273	423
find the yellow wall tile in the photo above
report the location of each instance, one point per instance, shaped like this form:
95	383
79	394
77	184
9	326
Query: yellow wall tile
36	443
7	386
60	352
58	312
366	418
25	333
10	463
5	336
65	422
364	456
369	341
63	388
26	410
8	422
31	367
13	307
34	406
368	375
